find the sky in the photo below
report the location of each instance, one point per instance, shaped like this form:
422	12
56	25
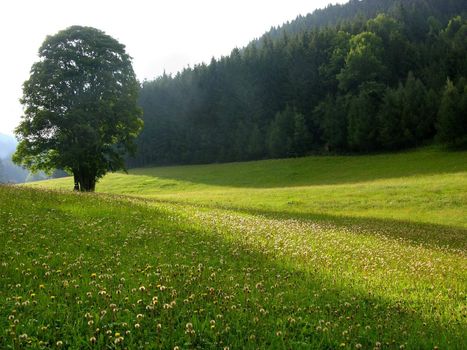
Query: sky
160	35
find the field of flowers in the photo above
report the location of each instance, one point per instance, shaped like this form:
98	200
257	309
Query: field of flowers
103	271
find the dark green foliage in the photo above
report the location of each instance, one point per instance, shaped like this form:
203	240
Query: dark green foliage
80	107
362	114
417	118
288	134
390	120
363	62
452	116
281	134
407	115
332	116
255	144
454	39
359	77
301	137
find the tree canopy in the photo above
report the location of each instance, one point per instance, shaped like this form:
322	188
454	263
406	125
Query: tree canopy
80	111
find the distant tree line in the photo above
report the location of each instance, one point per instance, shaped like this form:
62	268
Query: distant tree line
371	76
11	173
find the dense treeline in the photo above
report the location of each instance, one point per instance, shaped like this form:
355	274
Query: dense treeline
357	10
372	75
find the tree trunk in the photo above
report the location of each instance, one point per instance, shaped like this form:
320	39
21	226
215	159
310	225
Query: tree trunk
87	181
76	180
92	184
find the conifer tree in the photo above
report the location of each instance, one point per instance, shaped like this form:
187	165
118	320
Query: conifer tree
452	115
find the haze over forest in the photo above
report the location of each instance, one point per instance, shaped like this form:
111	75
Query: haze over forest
12	173
160	36
366	76
9	172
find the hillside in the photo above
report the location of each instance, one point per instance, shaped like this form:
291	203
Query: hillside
7	145
9	172
366	76
427	185
358	10
318	252
308	191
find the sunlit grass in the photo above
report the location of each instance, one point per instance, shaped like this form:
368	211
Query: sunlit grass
423	186
368	260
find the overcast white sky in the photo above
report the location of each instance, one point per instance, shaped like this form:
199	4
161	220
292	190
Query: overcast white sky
159	35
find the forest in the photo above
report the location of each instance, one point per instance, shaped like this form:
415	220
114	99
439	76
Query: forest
367	76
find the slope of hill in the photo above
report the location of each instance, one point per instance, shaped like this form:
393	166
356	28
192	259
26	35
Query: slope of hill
344	252
7	145
358	10
9	172
427	185
389	75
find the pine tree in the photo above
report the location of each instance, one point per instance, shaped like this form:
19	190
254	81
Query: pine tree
301	136
255	147
452	115
416	119
331	115
363	117
391	133
280	136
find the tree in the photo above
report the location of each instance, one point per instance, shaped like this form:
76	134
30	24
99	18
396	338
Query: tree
80	107
255	147
281	133
331	114
418	114
407	115
301	136
452	115
399	57
363	117
226	110
455	40
363	62
392	134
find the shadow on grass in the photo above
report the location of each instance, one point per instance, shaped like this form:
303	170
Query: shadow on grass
316	292
418	233
312	298
316	170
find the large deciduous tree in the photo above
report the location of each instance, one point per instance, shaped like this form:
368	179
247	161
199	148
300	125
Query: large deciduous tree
80	111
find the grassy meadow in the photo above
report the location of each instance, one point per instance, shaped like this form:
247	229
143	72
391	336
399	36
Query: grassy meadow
364	252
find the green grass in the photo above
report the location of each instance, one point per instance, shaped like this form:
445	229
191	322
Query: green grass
426	186
320	252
